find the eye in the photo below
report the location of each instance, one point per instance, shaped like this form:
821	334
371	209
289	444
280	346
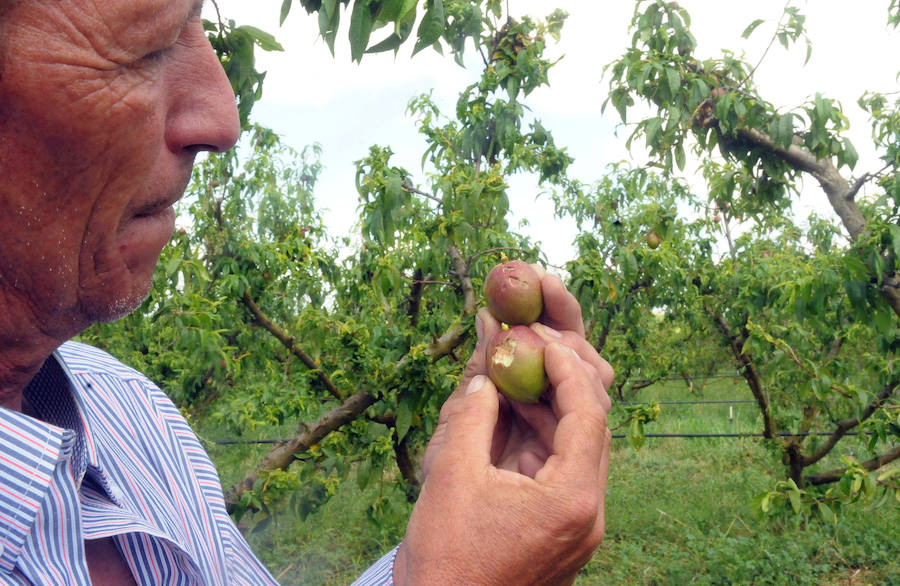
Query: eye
155	56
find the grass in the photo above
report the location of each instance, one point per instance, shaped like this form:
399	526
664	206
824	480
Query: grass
679	511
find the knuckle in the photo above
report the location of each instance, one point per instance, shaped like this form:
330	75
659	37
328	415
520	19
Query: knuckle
578	518
595	415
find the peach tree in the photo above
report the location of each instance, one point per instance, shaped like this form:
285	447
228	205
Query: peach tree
809	314
347	346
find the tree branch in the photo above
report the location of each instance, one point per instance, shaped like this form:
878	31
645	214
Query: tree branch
407	466
748	369
846	425
857	185
870	465
492	251
290	343
836	188
282	455
454	336
412	189
414	299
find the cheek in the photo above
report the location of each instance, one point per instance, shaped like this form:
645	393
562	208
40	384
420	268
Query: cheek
74	159
90	138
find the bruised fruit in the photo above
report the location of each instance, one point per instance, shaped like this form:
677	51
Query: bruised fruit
513	293
516	364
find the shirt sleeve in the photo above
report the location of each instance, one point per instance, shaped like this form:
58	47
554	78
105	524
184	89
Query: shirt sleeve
381	573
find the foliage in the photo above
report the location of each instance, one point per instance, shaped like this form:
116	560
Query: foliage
811	322
259	318
679	511
454	23
235	45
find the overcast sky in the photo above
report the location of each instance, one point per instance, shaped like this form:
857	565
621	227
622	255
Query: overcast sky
310	96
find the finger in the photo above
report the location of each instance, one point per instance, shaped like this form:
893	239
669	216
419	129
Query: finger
604	477
468	420
599	528
600	368
485	328
501	430
561	309
579	440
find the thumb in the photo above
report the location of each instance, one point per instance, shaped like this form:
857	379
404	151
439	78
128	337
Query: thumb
465	429
486	326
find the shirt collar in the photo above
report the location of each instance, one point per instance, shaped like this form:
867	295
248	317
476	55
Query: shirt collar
31	453
53	395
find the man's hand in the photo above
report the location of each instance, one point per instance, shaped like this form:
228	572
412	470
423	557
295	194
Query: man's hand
514	493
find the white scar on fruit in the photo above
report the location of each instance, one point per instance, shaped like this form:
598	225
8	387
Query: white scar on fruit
505	353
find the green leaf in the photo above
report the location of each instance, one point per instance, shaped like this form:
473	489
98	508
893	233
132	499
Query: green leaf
404	417
651	129
636	434
390	10
172	266
784	40
432	26
393	192
394	40
856	291
285	9
265	40
796	500
849	156
329	20
679	156
752	27
782	130
827	513
360	29
765	503
674	79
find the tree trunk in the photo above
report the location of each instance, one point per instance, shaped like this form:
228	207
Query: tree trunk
407	467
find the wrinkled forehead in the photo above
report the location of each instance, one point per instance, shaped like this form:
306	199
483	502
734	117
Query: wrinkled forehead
104	24
125	18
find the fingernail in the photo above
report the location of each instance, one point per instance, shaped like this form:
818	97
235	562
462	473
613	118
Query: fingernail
550	331
479	329
475	384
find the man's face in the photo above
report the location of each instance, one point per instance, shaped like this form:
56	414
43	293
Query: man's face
103	106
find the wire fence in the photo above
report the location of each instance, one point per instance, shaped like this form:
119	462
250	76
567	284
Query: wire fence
615	436
235	442
711	402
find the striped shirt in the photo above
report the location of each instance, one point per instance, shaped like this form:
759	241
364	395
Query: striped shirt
111	456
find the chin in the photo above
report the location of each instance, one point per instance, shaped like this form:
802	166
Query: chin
118	309
103	307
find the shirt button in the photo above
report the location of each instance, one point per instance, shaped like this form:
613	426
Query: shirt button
2	549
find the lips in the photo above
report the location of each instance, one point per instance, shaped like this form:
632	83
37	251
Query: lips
158	208
152	209
145	228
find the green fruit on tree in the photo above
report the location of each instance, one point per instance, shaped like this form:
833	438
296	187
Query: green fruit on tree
513	293
516	364
653	239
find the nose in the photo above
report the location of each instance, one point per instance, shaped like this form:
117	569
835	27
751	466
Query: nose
202	114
